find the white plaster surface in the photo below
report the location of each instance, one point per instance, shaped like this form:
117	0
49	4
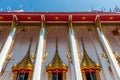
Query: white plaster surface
23	38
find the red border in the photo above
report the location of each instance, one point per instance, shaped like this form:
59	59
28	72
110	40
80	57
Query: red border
59	16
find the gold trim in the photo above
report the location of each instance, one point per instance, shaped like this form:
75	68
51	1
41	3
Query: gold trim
111	18
15	23
24	64
87	62
15	76
97	75
97	21
69	56
30	75
56	63
83	75
1	17
83	18
104	55
117	57
29	18
56	18
49	75
63	75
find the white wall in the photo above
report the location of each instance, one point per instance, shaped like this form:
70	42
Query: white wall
23	38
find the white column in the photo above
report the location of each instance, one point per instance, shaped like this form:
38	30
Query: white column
74	52
100	59
39	53
6	47
113	62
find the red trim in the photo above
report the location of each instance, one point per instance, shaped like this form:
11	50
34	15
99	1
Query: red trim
61	16
89	69
56	70
22	70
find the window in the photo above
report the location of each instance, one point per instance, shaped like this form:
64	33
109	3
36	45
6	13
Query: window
22	76
56	76
90	76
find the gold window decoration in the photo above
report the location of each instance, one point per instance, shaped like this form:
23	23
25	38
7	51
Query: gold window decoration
57	68
24	68
90	69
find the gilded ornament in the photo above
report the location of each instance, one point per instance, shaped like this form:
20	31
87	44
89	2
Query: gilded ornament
56	63
56	18
29	18
33	56
87	62
111	18
1	17
25	63
44	56
69	56
117	57
83	18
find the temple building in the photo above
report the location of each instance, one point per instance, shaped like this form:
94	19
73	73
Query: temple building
59	46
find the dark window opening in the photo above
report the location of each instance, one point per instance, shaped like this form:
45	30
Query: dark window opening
22	76
56	76
90	76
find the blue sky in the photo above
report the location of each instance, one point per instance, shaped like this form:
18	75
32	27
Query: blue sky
58	5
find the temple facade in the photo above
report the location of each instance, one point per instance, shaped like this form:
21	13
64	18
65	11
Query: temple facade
59	46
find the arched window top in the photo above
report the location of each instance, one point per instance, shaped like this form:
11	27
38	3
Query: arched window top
87	63
24	68
56	63
90	69
57	68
